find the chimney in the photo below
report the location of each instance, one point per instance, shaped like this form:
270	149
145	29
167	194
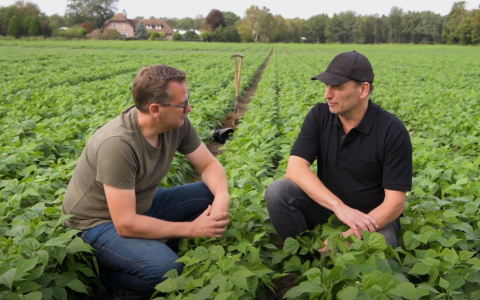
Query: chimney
124	13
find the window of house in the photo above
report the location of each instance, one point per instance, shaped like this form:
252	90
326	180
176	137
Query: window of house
123	26
114	26
123	34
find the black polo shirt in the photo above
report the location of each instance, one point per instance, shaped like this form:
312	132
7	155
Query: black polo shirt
357	167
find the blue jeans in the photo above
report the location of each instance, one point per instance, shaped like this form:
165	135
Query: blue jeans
134	264
292	212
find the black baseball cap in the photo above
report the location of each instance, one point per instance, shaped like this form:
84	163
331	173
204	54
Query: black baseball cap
347	66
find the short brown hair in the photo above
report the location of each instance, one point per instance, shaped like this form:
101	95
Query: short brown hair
151	85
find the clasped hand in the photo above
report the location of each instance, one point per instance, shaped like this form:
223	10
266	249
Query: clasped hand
210	225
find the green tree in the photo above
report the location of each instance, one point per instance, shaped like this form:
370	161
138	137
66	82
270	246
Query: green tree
464	31
333	30
34	29
476	26
26	24
245	33
172	22
347	20
186	24
95	11
453	21
6	14
230	18
190	35
314	30
395	23
198	22
294	30
232	35
14	27
259	21
219	34
177	36
410	24
205	36
141	31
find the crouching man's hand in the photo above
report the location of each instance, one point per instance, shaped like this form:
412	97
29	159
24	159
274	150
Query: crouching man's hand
326	249
208	225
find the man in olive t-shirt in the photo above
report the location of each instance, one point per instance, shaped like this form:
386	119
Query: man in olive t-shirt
114	196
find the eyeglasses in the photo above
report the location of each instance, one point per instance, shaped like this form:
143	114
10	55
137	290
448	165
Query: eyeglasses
180	106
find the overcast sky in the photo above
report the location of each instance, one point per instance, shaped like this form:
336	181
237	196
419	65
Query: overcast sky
298	8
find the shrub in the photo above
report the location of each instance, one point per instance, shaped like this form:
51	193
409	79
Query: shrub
177	36
206	36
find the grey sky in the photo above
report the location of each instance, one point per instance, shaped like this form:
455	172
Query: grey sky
299	8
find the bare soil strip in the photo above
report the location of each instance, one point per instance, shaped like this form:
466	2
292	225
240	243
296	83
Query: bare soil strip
232	120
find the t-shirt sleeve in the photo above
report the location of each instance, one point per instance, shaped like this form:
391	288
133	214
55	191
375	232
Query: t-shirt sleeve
116	164
190	140
397	167
308	141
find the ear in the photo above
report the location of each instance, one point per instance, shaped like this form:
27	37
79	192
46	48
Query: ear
154	109
364	90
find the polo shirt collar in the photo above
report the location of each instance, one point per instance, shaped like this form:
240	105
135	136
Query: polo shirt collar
367	121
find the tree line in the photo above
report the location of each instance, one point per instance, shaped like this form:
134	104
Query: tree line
460	26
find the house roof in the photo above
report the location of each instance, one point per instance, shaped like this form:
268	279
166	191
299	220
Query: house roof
134	22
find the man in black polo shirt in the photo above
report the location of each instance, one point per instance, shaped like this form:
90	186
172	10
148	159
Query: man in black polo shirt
364	158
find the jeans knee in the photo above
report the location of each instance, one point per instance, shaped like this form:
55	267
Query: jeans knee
277	191
159	271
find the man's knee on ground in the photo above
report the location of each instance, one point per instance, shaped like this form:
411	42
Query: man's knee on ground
277	191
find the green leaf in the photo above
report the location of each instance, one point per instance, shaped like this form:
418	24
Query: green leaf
376	241
239	278
310	287
291	246
28	286
466	255
410	241
223	296
59	293
33	296
78	245
58	241
455	281
419	269
77	286
201	253
167	286
405	290
7	277
348	293
26	265
443	283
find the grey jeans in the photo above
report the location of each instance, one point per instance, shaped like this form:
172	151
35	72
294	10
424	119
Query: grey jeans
293	212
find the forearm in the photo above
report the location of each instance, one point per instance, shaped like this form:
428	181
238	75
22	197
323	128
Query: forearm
313	186
390	209
215	179
140	226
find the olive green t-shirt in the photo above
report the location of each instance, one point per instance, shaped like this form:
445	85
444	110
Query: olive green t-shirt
119	155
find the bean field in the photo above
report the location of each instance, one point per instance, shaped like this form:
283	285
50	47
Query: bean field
54	95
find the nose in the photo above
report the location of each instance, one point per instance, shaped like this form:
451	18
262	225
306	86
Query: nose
328	92
188	108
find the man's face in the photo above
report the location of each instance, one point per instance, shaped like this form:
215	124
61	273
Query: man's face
343	99
174	116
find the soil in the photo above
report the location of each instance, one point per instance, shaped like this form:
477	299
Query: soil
232	120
